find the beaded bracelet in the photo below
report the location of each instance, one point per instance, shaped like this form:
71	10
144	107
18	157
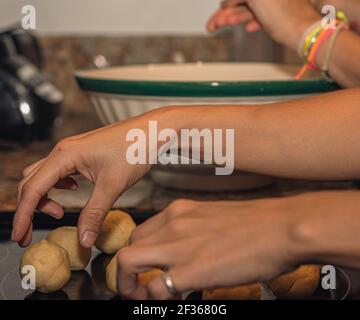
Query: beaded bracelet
312	41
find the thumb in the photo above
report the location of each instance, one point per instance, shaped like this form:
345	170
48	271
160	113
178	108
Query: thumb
93	214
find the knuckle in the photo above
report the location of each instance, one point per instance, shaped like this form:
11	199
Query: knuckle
176	226
64	144
28	190
26	171
134	236
179	207
95	216
124	258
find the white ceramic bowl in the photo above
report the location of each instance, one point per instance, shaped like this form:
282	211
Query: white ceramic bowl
121	92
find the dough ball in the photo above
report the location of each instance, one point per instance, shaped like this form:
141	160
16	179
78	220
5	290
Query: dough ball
250	292
115	232
111	275
144	278
299	284
51	263
67	237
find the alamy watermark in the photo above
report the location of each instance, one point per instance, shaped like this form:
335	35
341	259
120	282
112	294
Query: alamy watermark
328	277
189	146
28	20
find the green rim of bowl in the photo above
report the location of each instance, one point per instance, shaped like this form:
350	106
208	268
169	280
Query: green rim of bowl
204	89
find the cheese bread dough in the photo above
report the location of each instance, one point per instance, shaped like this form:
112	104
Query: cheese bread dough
299	284
115	232
144	278
67	237
51	264
249	292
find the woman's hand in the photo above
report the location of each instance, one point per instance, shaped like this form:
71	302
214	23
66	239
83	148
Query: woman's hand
99	156
208	245
233	13
284	20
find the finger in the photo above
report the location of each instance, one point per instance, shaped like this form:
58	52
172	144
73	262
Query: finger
155	223
67	183
27	238
231	17
134	260
32	167
30	174
50	207
34	189
253	26
211	25
101	200
150	226
182	278
239	16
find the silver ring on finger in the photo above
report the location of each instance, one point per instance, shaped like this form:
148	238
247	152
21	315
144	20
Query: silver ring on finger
169	284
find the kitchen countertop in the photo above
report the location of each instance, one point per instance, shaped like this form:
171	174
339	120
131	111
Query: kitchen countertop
145	196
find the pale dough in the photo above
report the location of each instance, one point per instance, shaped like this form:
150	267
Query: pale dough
143	278
51	263
250	292
115	232
299	284
67	237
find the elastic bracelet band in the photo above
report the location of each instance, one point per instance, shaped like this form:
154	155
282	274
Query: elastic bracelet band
305	37
323	37
310	63
311	42
326	65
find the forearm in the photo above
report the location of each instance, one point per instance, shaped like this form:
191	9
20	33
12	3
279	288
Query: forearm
325	228
314	138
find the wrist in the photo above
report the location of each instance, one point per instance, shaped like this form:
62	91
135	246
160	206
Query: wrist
302	229
323	228
300	28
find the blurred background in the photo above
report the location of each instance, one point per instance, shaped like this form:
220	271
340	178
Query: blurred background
74	35
77	34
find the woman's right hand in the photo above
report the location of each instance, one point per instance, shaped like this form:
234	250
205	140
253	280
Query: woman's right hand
99	156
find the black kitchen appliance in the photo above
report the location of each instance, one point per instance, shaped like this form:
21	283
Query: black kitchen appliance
29	102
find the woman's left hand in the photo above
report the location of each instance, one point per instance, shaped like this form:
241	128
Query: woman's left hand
209	244
232	13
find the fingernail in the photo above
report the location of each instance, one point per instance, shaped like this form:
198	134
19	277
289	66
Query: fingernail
88	239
